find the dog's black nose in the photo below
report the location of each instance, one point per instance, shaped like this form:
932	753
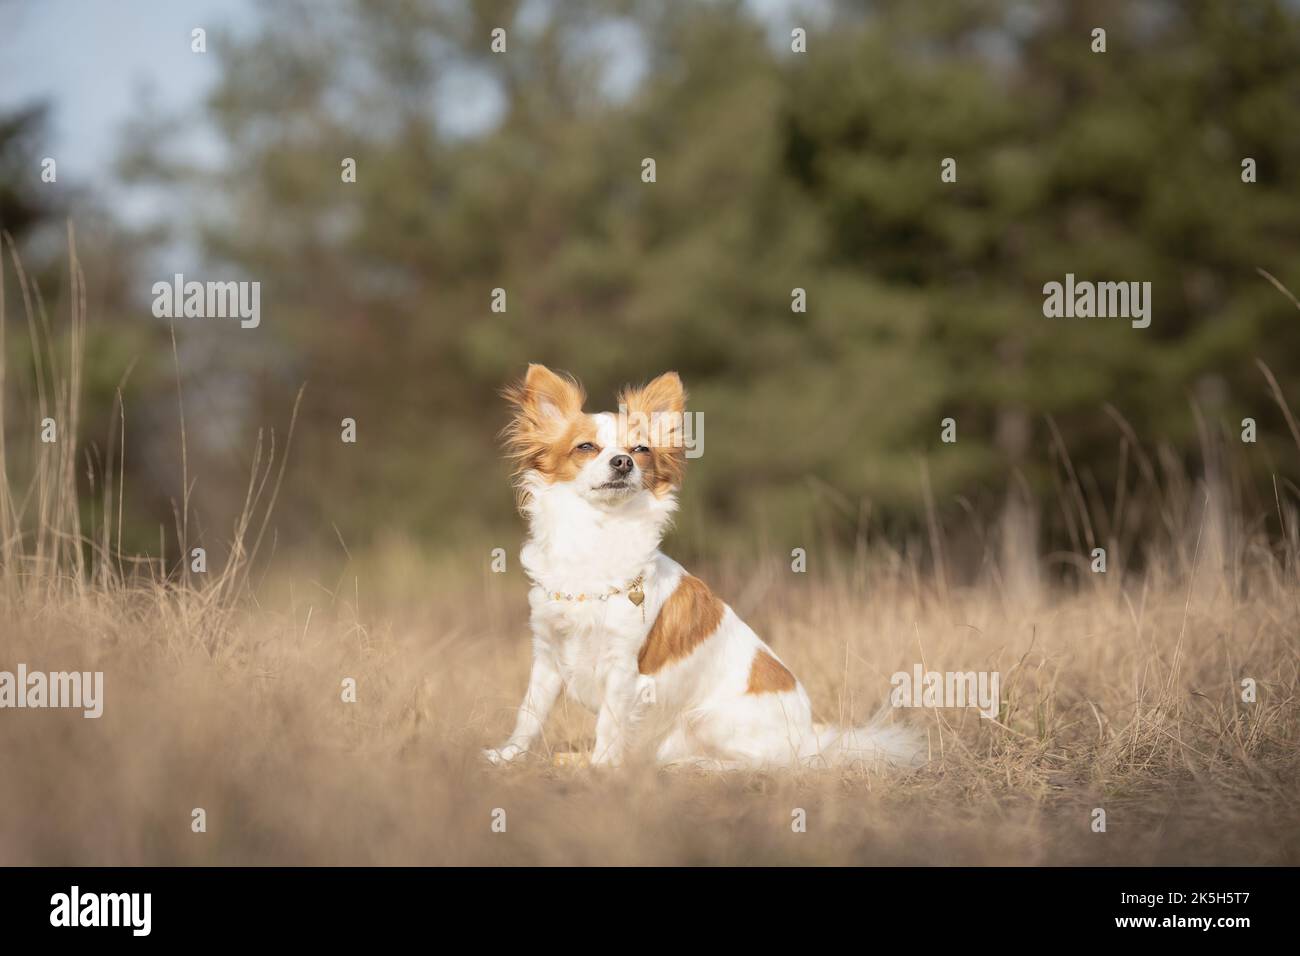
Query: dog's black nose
621	463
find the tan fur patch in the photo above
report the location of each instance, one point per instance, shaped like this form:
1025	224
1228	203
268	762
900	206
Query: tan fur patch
767	675
548	426
689	616
562	459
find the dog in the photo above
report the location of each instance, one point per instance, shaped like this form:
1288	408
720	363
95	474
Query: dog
671	672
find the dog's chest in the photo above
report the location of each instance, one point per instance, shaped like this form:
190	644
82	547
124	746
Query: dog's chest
589	638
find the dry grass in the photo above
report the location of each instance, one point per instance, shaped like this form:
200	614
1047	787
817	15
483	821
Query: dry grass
1126	702
1120	692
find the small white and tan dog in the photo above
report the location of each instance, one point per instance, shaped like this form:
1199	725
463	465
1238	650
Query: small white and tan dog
670	671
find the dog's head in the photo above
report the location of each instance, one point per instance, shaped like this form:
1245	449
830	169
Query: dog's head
607	458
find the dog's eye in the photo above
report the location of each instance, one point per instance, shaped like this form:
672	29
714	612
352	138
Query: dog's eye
586	446
639	449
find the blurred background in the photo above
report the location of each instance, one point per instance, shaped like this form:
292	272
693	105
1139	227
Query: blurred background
776	170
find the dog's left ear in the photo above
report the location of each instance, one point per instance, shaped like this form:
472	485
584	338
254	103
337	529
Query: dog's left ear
663	395
659	407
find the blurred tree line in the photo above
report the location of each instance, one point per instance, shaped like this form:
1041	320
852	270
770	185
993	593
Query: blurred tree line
775	170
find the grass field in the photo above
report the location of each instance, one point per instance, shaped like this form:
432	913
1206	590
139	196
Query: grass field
1120	691
1121	699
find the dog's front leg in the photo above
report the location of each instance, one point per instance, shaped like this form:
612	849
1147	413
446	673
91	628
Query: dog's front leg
543	688
628	696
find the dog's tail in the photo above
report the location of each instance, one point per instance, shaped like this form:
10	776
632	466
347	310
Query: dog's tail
871	745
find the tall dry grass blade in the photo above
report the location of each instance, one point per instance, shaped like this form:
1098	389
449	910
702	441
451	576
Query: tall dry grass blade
935	532
1281	400
183	530
8	518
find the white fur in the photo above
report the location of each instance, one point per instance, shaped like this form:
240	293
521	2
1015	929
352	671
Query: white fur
695	710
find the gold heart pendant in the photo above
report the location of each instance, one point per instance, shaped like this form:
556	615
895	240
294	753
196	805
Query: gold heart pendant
636	597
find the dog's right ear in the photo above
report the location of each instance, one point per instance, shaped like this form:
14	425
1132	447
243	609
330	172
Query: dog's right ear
543	396
544	403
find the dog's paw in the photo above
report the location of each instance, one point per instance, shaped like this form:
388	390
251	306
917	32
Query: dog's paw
501	757
608	754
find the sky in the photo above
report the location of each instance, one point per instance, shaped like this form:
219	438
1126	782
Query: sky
95	61
99	63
